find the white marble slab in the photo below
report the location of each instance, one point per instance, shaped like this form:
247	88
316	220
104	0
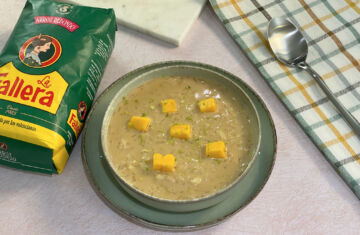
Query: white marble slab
169	20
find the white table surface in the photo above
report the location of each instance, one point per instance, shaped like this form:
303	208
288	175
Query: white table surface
303	195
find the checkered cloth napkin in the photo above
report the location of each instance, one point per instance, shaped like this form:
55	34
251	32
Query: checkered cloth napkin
332	29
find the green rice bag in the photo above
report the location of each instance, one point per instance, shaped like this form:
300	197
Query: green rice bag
50	70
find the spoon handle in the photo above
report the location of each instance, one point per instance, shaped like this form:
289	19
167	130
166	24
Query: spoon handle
345	114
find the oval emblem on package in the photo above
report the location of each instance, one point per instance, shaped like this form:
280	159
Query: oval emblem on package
40	51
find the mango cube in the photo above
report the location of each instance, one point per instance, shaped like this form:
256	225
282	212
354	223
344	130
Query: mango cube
139	123
208	105
169	106
181	131
216	149
163	163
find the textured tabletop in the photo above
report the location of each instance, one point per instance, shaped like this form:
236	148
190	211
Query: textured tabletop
303	195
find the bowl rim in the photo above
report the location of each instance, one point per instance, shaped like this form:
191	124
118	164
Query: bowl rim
187	64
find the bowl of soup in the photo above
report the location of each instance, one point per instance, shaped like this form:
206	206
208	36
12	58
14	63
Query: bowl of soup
180	136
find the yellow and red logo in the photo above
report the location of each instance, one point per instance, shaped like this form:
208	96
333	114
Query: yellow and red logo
43	92
74	122
40	51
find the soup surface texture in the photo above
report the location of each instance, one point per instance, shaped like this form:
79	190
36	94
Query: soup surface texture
195	174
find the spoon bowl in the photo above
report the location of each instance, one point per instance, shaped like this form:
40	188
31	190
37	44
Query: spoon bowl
287	42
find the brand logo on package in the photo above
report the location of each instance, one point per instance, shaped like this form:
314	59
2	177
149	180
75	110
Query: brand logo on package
74	122
3	146
64	9
40	51
81	112
43	92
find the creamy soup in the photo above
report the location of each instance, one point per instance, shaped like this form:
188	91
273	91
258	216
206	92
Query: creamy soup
195	174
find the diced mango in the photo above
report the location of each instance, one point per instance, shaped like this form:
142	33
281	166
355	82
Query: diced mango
169	106
139	123
163	163
181	131
216	149
208	105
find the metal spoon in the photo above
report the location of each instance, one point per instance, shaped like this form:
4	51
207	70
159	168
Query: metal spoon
290	48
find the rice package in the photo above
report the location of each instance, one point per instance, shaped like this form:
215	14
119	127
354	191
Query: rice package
50	70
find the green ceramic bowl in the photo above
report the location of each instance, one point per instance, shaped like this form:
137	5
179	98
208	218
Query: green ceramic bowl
192	69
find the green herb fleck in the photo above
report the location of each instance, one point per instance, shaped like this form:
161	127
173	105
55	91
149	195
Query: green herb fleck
143	114
147	169
136	101
152	107
141	139
167	115
180	151
188	87
171	141
125	100
182	101
218	161
189	118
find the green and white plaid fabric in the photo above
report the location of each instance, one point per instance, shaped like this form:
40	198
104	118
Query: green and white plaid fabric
332	29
